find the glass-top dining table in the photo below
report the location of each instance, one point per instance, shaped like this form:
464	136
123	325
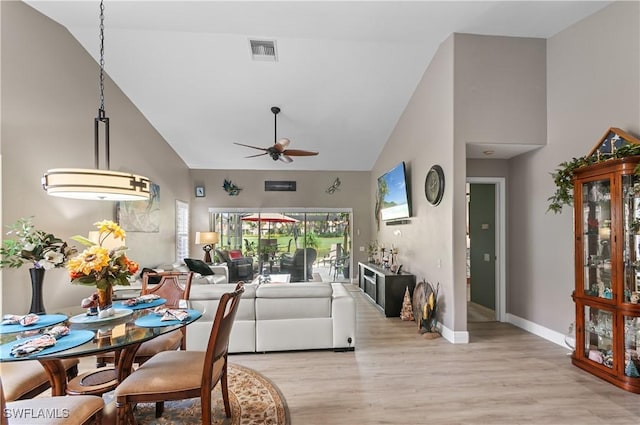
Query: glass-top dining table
122	332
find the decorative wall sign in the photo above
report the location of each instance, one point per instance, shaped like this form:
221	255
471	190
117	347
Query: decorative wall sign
335	186
231	188
141	216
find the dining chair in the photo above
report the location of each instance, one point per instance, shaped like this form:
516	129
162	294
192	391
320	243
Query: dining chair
67	410
173	286
178	375
27	378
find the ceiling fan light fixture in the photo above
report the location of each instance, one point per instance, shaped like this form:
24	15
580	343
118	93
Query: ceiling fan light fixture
97	184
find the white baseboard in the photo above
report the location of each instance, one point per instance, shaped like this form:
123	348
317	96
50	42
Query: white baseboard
454	337
534	328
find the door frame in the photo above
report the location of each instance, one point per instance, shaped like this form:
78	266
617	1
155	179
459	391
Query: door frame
500	249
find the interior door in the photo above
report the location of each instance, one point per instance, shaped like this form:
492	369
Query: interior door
482	235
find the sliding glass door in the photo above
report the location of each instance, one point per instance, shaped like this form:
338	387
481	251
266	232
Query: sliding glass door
307	245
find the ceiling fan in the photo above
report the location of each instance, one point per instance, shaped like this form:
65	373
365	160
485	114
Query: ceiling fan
279	149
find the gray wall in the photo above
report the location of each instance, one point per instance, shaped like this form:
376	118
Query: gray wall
593	84
310	192
570	89
49	101
423	137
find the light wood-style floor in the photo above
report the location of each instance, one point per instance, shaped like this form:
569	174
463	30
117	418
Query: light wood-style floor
395	376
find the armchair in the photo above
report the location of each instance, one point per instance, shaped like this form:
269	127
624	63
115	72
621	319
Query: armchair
239	268
294	264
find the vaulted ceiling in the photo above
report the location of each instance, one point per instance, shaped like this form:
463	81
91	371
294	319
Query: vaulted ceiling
343	75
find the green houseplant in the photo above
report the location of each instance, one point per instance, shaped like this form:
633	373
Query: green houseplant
563	175
41	250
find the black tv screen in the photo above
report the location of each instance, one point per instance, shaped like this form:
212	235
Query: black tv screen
393	194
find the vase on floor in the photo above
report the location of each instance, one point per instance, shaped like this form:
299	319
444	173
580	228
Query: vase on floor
37	304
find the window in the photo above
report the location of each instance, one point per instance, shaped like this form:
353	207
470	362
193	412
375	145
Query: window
182	230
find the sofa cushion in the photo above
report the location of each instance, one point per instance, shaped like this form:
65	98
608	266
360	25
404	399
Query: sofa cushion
214	292
295	290
198	266
282	301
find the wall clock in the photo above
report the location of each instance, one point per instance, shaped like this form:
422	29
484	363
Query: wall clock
434	185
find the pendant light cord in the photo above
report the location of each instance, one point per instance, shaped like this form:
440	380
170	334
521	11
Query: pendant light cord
102	117
101	109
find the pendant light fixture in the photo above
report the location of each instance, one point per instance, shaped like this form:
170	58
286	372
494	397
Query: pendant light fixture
97	184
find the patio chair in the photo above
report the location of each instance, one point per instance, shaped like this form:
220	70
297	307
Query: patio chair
294	264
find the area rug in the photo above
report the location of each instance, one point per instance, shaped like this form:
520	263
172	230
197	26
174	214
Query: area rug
254	400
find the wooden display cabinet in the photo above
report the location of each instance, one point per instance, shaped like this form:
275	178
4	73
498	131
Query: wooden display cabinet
607	271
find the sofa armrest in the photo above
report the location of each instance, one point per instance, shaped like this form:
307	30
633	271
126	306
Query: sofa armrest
343	312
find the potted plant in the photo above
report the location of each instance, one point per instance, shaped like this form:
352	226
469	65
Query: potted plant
42	250
563	175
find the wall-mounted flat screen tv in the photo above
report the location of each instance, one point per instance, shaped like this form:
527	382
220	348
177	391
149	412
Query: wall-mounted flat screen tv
393	194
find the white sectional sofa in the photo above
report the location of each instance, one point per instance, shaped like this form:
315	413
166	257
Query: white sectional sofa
279	317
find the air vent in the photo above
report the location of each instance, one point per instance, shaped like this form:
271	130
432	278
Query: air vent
279	186
263	50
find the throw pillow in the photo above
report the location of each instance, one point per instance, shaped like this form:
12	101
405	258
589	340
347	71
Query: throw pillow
235	253
224	255
198	266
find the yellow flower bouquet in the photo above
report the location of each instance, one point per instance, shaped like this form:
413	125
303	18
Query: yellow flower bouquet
100	266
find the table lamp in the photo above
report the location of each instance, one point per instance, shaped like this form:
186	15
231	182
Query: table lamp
208	239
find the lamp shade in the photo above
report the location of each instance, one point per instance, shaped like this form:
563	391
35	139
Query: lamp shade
106	185
206	238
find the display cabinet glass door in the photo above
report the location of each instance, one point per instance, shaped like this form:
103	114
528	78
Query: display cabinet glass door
598	336
632	346
631	228
596	207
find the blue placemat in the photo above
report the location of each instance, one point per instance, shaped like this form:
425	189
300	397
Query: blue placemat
154	303
152	320
44	321
72	339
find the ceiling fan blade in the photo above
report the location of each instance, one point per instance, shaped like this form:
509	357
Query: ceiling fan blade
253	156
298	152
249	146
285	158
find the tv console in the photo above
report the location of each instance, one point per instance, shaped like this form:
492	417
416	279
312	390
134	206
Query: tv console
385	288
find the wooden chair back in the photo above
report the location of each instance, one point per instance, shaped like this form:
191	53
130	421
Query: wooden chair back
218	344
3	406
173	286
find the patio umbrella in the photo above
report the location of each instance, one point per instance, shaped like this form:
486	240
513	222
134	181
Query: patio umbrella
269	218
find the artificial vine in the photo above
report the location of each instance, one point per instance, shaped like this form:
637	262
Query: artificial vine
563	176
